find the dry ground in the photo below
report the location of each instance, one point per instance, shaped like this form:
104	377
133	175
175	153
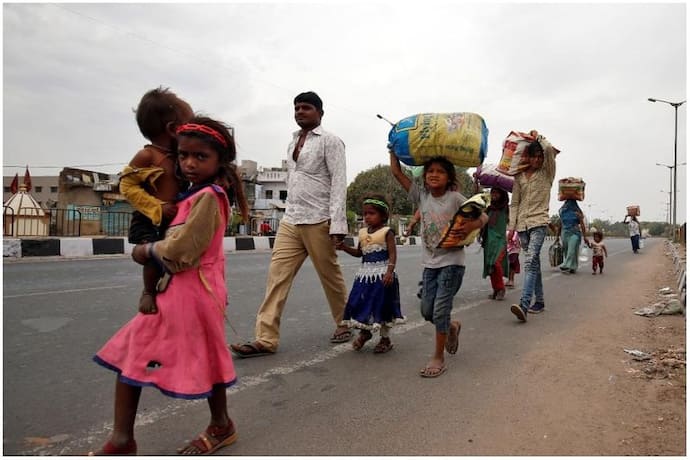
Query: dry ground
602	402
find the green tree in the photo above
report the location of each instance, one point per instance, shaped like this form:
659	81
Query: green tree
466	184
378	180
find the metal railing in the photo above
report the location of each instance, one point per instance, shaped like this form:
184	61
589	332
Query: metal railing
64	222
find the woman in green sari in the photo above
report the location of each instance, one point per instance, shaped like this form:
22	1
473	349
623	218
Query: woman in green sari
494	243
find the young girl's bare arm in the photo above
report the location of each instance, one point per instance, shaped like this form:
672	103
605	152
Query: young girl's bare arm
398	173
392	258
355	252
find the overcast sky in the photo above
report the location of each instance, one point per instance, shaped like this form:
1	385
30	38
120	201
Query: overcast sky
579	73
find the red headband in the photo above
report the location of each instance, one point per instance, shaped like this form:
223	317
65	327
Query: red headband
193	127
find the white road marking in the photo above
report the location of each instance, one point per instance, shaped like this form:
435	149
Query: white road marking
64	291
99	434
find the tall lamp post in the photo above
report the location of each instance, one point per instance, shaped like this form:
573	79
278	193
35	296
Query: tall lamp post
667	207
670	188
671	169
675	105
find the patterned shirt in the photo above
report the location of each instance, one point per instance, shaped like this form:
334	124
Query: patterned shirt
436	213
633	228
529	206
317	183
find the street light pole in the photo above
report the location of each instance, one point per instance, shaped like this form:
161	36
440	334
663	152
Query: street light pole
667	207
675	105
670	188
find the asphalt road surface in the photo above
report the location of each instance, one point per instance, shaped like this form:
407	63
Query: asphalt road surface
311	398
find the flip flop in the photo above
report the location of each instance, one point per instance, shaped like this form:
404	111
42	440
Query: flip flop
342	337
432	372
453	339
255	349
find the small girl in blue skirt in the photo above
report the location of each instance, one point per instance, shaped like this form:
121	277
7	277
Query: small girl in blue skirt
374	302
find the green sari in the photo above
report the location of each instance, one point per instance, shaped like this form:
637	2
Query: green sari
495	240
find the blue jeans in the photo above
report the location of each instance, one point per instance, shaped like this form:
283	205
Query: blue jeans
533	240
571	248
440	286
635	240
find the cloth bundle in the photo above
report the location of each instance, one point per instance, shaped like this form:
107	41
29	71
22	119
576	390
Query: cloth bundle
513	156
489	176
571	188
633	210
460	137
556	253
469	210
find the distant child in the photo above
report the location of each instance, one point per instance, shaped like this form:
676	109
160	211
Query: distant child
513	245
374	302
181	349
149	182
444	268
494	243
598	252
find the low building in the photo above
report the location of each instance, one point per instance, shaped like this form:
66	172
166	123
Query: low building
89	202
94	199
44	189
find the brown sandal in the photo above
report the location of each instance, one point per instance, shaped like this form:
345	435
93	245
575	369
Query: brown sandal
362	338
249	350
211	440
384	346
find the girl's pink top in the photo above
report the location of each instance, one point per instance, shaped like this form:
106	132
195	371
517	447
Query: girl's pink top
181	350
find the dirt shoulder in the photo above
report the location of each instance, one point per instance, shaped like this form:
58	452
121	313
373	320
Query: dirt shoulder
579	393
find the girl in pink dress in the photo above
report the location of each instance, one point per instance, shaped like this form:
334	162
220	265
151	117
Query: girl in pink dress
181	348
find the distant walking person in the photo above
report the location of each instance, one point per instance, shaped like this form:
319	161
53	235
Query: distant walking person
314	223
634	231
181	348
374	301
573	231
149	182
529	216
494	243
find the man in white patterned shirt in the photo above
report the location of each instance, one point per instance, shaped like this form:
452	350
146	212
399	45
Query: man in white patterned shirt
314	222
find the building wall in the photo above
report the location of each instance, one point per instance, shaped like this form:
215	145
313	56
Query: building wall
43	188
273	183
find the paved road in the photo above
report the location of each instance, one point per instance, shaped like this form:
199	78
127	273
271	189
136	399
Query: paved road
311	398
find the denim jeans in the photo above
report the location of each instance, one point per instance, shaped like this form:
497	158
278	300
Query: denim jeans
440	286
532	240
571	248
635	240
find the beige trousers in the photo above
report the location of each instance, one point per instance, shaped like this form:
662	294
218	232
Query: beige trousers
292	245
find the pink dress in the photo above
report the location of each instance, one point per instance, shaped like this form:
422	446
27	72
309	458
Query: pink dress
182	349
